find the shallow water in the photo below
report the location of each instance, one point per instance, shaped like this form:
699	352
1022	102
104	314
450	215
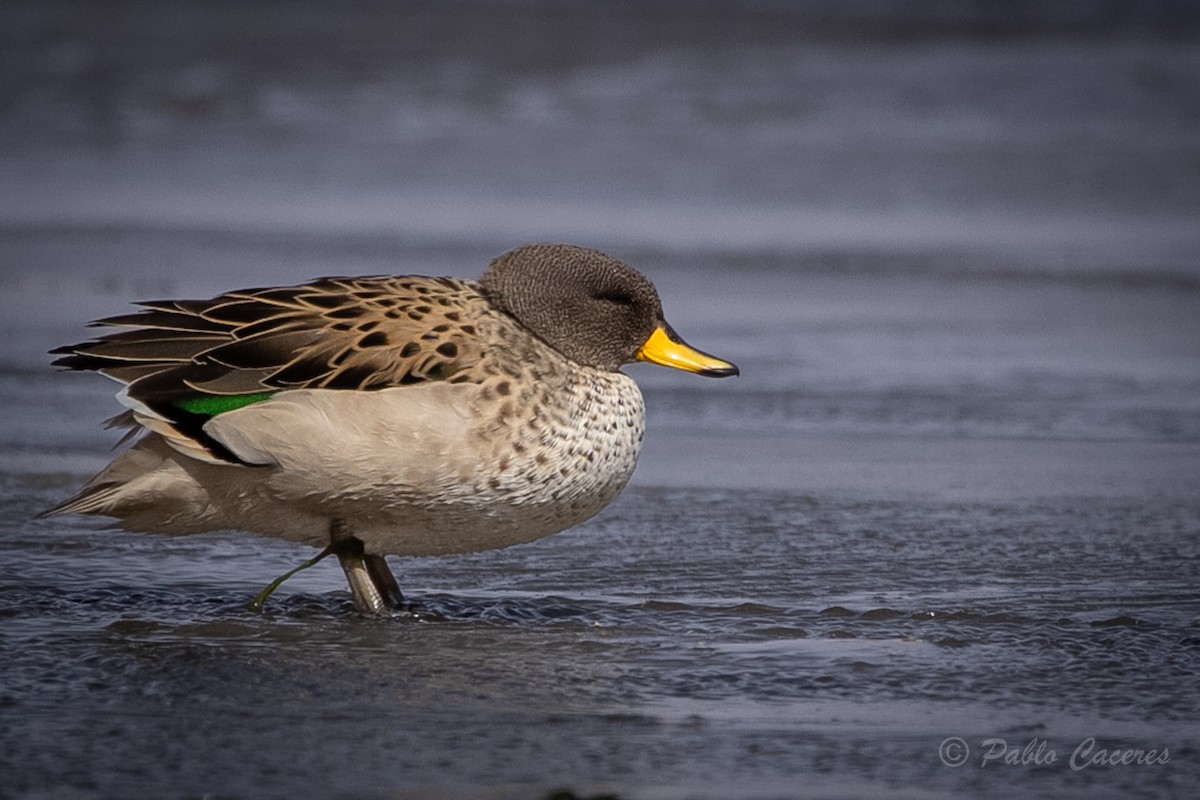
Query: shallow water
955	493
688	643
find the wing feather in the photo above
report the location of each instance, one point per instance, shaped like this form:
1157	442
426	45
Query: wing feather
356	334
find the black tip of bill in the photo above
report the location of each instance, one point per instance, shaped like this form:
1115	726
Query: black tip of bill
728	371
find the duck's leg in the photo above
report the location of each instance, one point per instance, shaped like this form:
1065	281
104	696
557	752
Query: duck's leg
384	580
372	584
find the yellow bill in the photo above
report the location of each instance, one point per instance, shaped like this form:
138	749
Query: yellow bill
664	347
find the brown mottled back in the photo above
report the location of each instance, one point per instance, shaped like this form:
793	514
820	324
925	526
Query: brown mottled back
334	333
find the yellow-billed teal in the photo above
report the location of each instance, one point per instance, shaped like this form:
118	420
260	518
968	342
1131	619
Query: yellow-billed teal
380	416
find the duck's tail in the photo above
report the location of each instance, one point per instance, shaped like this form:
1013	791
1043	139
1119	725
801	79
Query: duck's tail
136	480
97	497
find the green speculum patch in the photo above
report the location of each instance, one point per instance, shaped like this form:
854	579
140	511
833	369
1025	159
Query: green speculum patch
214	404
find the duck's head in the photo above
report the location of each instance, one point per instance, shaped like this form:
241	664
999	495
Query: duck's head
592	308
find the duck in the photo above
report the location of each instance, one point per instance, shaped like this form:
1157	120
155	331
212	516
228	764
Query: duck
381	416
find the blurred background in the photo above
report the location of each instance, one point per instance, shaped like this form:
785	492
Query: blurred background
940	214
957	136
954	246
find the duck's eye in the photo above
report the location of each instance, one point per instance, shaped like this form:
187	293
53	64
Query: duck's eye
614	296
